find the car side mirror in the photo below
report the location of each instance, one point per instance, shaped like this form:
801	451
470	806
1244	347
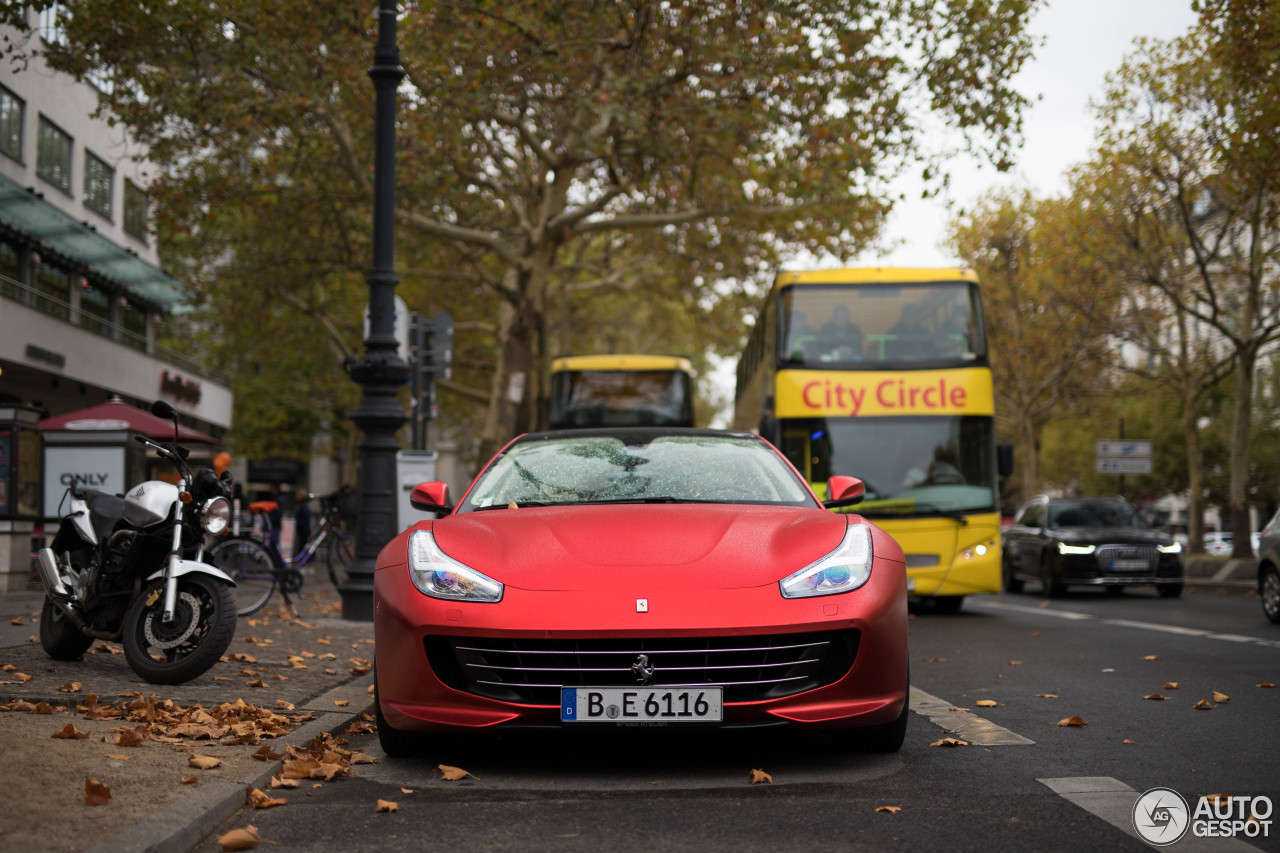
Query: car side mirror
431	497
844	491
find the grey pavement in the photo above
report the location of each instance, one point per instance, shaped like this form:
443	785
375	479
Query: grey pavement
319	664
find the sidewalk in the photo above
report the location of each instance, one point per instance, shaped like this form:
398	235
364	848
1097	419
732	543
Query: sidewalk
319	664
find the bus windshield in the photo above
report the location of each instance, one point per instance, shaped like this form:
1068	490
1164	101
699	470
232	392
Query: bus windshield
823	325
596	398
910	465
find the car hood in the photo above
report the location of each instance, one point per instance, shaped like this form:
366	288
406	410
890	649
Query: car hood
1115	536
693	546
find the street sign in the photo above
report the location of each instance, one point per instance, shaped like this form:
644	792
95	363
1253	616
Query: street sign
1122	465
1122	448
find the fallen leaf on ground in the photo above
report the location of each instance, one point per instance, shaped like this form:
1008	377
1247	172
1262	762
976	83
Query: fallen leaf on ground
255	798
949	742
987	703
246	838
265	754
452	774
889	809
933	660
95	793
128	736
387	806
1035	633
1171	685
1221	698
203	762
277	782
758	776
1152	657
1047	695
406	790
191	780
1072	721
1015	663
117	756
70	687
1203	705
342	703
70	732
1155	696
1264	684
1219	799
1126	740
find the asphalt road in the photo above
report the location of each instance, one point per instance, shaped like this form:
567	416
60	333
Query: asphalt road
1023	783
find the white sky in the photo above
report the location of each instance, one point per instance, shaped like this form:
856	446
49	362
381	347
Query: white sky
1083	41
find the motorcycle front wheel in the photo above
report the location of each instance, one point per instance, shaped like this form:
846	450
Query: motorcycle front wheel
203	625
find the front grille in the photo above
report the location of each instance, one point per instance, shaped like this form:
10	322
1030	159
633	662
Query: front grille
1129	556
748	668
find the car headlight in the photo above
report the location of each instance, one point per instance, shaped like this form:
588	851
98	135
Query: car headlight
844	569
215	515
1064	548
1171	548
438	575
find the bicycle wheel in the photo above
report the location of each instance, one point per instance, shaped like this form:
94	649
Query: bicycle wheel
249	563
338	555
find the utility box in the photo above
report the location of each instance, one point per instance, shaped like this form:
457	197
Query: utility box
412	467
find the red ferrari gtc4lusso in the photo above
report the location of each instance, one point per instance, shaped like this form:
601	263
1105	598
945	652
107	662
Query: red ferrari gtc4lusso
616	577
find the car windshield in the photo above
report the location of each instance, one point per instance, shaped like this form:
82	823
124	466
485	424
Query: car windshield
639	467
1093	514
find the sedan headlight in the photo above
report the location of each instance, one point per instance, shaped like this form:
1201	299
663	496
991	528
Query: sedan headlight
1171	548
438	575
215	515
1064	548
844	569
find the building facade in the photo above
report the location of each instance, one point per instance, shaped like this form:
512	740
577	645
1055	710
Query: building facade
83	295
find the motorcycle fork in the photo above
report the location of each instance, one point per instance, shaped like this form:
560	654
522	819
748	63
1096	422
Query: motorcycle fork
171	567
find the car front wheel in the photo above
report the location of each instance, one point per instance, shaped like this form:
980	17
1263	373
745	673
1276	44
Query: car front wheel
1270	589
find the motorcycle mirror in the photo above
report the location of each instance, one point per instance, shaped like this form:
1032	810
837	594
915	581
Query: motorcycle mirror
161	409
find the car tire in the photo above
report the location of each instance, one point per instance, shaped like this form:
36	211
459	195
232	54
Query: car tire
1052	588
948	604
396	743
1269	589
1011	583
1169	590
1114	591
887	737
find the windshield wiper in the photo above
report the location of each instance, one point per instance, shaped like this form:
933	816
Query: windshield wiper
915	508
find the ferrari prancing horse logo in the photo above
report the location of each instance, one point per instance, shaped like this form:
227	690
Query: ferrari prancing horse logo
642	605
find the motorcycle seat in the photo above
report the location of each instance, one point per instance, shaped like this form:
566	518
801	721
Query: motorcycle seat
104	511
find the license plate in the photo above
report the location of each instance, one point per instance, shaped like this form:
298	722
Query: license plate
1123	565
622	705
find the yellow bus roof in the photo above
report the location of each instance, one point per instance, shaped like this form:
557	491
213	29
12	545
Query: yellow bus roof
872	275
622	362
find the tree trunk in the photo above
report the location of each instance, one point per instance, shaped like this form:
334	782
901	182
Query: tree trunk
1246	365
1195	473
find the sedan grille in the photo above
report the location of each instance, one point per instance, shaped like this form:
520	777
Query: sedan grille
1128	559
748	668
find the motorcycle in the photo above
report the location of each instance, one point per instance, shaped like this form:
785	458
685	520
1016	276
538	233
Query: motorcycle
130	569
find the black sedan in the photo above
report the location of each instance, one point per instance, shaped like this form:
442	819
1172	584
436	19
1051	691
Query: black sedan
1095	541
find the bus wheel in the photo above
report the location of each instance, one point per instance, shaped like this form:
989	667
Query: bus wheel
948	603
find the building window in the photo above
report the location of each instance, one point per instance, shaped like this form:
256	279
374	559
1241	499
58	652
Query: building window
135	210
53	154
51	29
95	309
53	290
134	320
99	184
10	268
12	111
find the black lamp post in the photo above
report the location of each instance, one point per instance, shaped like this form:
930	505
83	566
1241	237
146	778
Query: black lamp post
381	371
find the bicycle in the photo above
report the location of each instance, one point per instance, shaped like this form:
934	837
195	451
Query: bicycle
258	567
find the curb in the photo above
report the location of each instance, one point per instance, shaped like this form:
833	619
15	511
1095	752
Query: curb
186	822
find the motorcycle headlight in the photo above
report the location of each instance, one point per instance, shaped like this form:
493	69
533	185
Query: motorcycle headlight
843	570
438	575
215	515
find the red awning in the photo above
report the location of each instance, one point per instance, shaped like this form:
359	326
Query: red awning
116	415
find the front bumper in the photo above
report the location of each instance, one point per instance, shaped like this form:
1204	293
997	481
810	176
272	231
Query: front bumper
414	697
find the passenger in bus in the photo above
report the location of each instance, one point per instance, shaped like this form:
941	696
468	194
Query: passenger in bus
909	336
840	339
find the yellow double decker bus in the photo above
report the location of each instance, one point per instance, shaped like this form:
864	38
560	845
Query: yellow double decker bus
882	374
620	390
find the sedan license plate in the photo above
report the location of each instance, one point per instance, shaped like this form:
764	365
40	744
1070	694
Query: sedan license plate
1127	565
622	705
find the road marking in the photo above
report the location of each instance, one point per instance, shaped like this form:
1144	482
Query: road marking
1113	801
1076	615
962	724
1044	611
